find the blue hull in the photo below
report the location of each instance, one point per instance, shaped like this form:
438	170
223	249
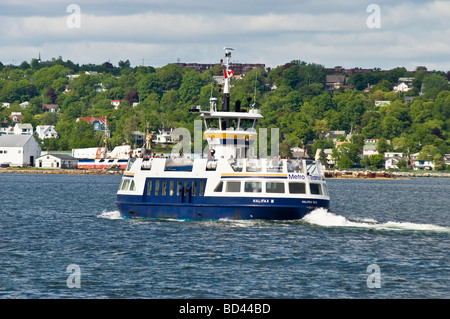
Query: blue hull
215	208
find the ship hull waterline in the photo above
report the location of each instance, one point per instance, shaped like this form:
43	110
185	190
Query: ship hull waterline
204	211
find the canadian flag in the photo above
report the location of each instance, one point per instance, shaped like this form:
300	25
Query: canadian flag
228	74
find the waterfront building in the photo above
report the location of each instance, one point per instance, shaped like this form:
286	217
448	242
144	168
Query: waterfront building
18	150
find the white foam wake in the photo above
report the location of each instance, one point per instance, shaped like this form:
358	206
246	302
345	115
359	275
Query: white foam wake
322	217
110	215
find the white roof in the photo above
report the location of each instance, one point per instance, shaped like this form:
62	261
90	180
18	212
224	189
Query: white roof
249	115
14	140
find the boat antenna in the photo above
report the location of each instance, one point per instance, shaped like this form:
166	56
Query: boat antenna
227	75
106	132
254	99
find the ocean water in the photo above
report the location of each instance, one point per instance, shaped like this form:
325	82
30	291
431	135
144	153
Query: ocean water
62	237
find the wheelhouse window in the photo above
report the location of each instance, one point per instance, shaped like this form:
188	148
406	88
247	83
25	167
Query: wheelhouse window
297	188
252	187
233	187
277	188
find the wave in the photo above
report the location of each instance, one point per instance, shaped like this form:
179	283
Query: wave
323	217
110	215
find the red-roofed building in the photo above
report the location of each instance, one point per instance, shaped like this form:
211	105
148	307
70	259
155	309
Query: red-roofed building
100	123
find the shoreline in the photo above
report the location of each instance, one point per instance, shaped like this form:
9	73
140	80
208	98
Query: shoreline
384	174
328	174
61	171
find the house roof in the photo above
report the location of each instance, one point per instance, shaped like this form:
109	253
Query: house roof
14	140
24	125
91	119
61	156
336	78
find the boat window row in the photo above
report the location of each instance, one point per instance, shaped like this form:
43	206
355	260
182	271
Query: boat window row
271	187
175	187
275	165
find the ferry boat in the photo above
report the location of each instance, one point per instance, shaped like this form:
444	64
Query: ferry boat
231	183
100	158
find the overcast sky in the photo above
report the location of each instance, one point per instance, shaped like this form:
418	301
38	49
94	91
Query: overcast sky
158	32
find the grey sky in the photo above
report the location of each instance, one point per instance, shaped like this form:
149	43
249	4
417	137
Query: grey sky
330	33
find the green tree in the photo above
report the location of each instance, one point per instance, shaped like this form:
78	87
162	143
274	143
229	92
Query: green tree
190	86
433	84
376	160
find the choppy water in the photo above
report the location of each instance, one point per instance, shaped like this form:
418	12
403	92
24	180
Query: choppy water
382	239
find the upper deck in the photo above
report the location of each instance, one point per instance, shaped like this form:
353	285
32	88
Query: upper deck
250	166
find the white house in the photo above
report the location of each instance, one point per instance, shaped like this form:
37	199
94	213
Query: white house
23	129
18	150
391	159
402	87
56	161
370	147
165	136
6	129
421	164
116	103
46	131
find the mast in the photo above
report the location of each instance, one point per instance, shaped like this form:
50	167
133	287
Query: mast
106	132
228	75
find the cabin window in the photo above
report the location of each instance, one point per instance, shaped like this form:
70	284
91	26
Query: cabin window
202	188
193	188
178	187
233	187
315	189
125	185
186	187
325	189
274	187
219	187
149	187
164	188
253	187
132	185
171	188
297	188
157	187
